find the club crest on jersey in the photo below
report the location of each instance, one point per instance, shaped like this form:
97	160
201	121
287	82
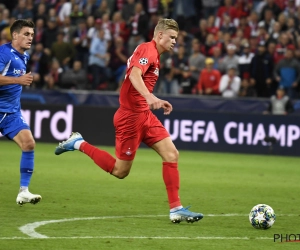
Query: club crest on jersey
128	152
143	61
156	71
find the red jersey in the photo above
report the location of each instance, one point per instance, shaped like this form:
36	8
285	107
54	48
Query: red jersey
209	79
145	57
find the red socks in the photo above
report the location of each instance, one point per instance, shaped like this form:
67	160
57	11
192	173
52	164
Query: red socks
171	179
103	159
170	170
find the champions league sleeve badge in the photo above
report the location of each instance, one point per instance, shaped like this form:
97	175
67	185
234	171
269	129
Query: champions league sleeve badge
143	61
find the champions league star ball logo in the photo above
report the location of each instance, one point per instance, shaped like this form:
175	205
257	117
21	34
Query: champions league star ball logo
143	61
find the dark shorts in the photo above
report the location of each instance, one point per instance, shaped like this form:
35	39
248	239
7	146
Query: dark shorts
11	124
134	128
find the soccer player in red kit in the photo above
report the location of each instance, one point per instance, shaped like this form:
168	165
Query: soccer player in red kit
135	123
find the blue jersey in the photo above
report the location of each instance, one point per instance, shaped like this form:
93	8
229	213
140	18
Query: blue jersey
13	64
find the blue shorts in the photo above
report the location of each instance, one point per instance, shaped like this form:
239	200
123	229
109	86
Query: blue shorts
11	124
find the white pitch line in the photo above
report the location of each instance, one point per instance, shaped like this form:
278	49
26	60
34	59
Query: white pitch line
142	237
29	229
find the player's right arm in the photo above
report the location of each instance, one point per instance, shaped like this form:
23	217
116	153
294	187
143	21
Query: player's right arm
24	80
137	82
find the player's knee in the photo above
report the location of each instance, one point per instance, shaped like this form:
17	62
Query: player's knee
172	156
28	145
120	174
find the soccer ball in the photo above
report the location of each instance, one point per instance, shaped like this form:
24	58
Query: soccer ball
262	216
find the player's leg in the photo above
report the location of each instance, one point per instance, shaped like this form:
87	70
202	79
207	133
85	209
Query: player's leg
169	154
15	128
115	166
26	142
127	142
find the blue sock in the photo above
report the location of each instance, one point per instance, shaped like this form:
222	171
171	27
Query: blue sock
26	168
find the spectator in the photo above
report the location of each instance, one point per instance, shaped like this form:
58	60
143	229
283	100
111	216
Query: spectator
80	43
227	25
180	61
290	9
52	79
127	10
50	34
227	9
209	79
184	12
93	31
217	57
88	7
41	13
187	83
98	60
268	21
274	36
20	11
119	27
211	27
243	8
253	23
4	18
106	26
230	83
52	16
261	71
281	19
118	60
64	8
246	89
244	25
39	36
262	34
287	73
68	30
63	52
230	59
272	6
280	104
76	15
39	64
196	61
101	10
5	33
75	78
138	28
209	7
202	32
245	62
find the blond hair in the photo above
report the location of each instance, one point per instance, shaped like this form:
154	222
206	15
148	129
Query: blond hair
166	24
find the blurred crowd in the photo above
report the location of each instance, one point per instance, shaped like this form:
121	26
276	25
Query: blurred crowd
230	48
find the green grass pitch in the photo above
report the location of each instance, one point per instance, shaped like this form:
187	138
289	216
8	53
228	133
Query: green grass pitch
133	213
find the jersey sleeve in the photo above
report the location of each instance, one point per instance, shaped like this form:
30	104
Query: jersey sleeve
141	58
3	62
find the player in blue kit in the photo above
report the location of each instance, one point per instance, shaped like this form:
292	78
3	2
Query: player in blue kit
13	61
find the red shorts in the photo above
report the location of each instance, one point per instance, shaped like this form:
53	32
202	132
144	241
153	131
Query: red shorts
134	128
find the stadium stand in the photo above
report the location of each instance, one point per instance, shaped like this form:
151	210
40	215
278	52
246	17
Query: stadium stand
260	39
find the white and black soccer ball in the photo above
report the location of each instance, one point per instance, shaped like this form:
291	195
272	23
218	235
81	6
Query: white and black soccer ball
262	216
143	61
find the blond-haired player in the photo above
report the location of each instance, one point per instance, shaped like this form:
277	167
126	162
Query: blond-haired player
135	123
